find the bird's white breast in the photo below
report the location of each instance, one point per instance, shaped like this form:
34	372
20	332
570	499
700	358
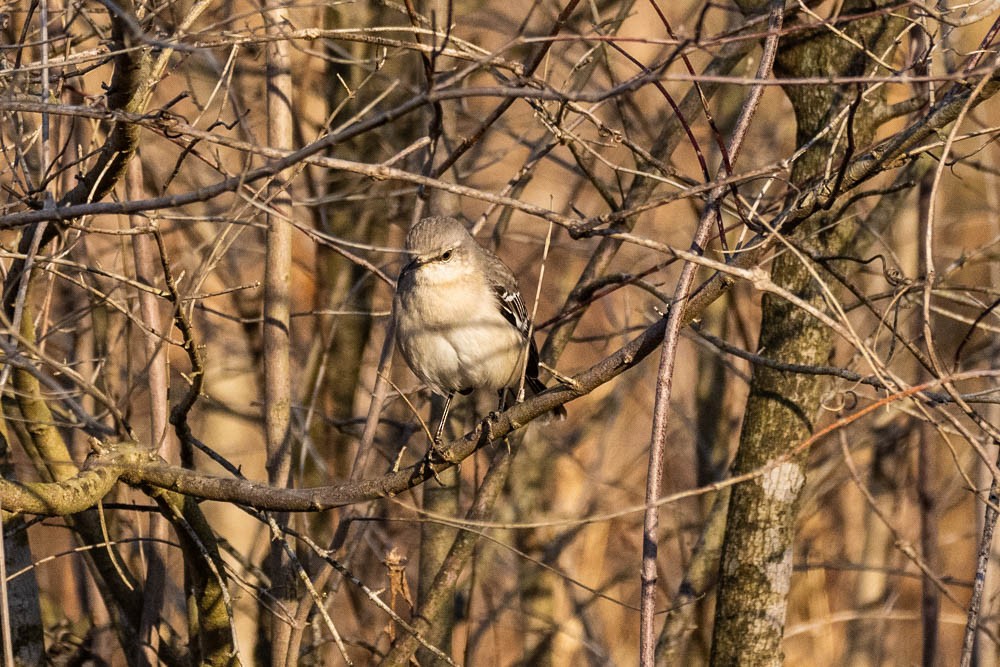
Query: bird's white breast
453	335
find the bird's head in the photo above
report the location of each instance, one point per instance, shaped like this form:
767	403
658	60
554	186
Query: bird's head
438	245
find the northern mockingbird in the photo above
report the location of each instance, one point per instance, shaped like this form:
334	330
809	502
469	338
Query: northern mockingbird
461	323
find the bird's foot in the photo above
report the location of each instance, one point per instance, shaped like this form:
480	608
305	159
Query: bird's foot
435	455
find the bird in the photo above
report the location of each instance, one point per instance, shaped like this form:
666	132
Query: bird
461	323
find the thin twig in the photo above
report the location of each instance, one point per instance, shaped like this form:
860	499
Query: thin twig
664	380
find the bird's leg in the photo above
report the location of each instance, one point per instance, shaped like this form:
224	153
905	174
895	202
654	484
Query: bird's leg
444	418
433	453
501	406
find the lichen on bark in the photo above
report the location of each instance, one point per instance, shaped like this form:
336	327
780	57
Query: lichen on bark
756	565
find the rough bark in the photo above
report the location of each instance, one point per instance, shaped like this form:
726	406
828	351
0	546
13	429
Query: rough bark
25	616
756	565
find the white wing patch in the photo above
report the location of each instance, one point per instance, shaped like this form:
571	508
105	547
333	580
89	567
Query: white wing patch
512	308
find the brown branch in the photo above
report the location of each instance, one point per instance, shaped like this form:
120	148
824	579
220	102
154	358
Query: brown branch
641	189
889	154
127	92
214	640
154	472
71	495
179	413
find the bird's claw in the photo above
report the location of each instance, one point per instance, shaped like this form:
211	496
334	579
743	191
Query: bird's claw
434	456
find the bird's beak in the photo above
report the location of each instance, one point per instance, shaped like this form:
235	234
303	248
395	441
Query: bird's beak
414	263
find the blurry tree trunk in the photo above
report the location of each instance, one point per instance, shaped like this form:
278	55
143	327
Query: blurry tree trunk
440	497
343	285
340	283
23	612
927	493
886	485
277	321
927	498
756	564
712	435
436	540
532	494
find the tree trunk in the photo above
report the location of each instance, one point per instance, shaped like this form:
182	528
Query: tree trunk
756	566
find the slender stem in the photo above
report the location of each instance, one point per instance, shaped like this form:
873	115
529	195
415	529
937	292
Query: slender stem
654	475
979	583
664	380
930	599
145	259
277	315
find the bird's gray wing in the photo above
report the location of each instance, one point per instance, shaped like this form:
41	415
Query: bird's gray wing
511	305
508	296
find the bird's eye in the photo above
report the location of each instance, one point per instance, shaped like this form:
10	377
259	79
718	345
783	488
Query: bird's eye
446	255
